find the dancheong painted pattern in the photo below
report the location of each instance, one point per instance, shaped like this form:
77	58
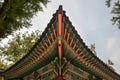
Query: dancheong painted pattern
60	54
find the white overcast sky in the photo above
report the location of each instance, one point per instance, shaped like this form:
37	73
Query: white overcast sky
91	19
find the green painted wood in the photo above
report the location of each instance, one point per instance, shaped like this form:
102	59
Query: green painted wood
48	78
68	54
78	70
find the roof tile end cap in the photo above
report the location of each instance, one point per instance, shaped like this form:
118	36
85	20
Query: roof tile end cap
60	10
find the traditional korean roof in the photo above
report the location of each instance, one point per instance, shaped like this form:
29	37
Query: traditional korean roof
58	44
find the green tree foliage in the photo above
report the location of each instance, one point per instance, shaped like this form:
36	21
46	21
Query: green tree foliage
17	47
16	14
115	11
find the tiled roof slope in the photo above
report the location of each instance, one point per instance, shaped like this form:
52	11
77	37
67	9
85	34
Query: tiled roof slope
60	39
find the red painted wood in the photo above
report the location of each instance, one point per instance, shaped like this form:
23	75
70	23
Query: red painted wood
59	27
59	24
59	34
68	37
59	78
60	49
65	32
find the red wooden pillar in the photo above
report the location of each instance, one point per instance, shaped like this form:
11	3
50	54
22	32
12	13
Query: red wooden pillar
59	78
59	27
59	35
